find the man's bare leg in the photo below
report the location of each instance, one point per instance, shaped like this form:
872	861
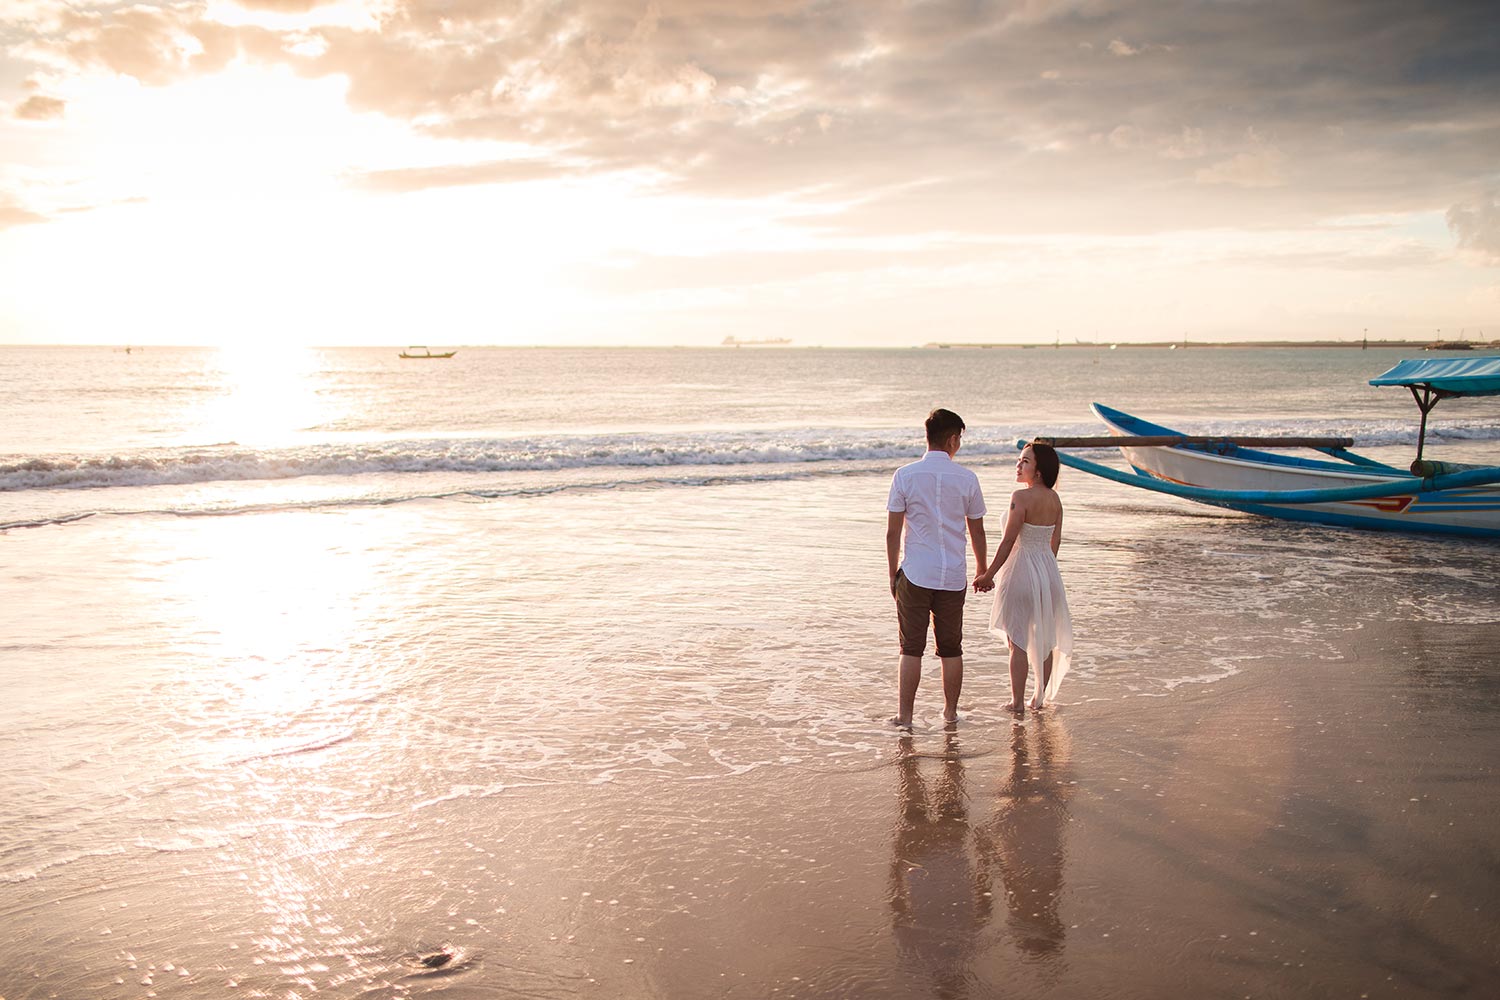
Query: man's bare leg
953	683
1019	668
909	676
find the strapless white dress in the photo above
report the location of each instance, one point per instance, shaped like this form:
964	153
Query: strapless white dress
1031	606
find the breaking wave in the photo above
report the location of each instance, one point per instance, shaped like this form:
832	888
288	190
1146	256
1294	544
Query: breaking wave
230	464
776	448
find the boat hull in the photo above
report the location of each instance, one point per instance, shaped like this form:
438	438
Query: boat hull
1471	511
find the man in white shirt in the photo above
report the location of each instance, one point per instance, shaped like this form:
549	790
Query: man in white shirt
934	500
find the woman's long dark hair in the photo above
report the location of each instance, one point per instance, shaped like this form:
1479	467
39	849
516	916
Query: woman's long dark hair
1046	463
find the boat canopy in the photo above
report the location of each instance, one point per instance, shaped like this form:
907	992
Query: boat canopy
1447	376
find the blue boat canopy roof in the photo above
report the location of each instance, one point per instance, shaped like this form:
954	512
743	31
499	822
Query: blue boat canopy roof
1449	376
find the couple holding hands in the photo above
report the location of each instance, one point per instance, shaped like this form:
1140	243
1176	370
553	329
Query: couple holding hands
934	503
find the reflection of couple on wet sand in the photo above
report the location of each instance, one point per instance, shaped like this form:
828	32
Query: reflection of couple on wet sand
933	503
943	869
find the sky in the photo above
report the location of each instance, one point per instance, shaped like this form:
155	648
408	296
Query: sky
837	172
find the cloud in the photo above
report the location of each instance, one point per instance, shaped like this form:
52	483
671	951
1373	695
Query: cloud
1375	105
155	44
1125	137
1258	168
12	214
1188	144
30	13
1395	257
1476	226
857	97
284	6
152	45
456	175
39	109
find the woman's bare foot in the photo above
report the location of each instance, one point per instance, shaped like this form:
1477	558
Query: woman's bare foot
1036	702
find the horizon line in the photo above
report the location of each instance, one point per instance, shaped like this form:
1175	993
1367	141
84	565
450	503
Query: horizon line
1359	342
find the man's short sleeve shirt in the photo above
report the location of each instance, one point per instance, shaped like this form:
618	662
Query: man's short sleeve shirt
938	497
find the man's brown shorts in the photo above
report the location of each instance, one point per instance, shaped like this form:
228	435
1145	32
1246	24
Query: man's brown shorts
915	605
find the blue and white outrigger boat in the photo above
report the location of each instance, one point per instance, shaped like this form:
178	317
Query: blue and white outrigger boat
1344	489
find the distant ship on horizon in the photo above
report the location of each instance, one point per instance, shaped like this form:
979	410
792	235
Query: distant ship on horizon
768	342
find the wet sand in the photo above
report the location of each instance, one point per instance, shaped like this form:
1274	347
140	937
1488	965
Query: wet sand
1314	818
1321	829
1317	829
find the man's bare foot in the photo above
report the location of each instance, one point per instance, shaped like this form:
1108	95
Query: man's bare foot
895	720
1015	706
950	718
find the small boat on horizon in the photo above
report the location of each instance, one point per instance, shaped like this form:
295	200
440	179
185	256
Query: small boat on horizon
411	353
769	342
1350	490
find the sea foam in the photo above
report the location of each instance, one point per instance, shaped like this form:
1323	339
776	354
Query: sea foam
230	463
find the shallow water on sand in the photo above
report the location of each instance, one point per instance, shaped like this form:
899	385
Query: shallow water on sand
558	673
630	742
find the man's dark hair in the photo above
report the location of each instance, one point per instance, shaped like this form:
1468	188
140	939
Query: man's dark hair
941	424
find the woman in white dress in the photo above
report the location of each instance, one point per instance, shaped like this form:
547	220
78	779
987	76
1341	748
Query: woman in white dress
1031	606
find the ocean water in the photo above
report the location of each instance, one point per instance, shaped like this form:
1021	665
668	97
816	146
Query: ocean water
564	672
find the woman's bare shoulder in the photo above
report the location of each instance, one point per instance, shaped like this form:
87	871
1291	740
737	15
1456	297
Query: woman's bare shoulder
1040	505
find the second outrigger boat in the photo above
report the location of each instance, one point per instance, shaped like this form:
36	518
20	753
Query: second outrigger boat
1344	489
412	353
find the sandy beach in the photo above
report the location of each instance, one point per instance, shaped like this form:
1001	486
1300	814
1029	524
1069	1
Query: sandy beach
1324	828
1213	814
603	713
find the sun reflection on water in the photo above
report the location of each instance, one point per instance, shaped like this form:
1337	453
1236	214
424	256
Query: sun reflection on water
268	395
277	602
268	732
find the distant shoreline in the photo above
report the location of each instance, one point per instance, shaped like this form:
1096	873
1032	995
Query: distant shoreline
1419	345
762	347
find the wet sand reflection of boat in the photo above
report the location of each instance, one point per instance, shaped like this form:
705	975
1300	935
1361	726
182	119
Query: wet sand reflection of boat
411	352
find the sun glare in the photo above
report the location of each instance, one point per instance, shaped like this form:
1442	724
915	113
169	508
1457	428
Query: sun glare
244	134
269	395
228	210
272	601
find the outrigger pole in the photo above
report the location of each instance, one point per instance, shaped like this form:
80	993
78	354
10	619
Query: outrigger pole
1221	444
